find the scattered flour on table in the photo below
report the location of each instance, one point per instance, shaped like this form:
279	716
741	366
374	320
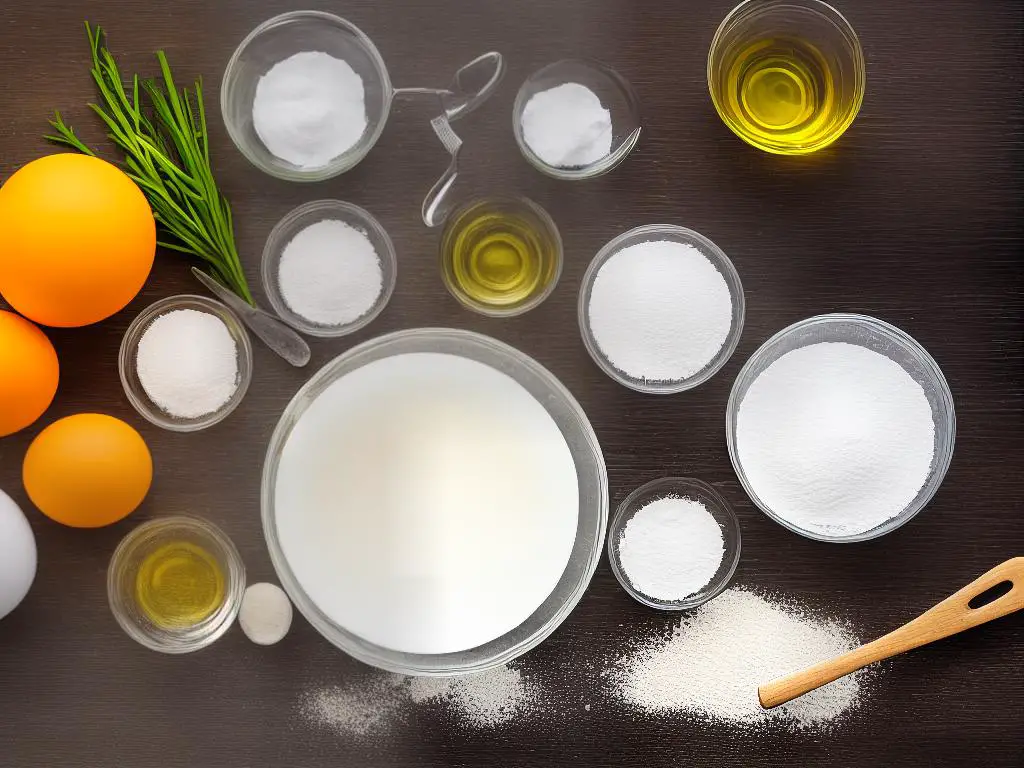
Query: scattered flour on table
483	700
356	708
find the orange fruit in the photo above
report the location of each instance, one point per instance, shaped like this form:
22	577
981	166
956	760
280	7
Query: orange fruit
87	470
28	373
77	240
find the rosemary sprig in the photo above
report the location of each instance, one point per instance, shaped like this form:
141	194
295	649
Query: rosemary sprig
167	153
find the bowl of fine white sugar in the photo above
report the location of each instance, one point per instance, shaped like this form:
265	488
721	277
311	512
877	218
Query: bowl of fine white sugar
841	427
674	543
185	363
329	268
576	119
661	309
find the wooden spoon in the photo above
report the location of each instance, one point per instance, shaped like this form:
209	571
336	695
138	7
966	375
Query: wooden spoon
952	615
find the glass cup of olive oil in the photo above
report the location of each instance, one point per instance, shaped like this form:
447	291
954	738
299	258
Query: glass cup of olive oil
175	584
501	256
787	76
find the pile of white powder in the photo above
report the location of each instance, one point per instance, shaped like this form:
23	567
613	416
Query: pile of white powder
187	363
484	700
660	311
309	108
567	126
721	652
330	273
835	438
671	548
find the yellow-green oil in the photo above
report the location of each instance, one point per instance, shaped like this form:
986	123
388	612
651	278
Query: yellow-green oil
498	256
780	95
179	585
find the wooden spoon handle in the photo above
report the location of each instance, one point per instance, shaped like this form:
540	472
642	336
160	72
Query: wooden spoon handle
952	615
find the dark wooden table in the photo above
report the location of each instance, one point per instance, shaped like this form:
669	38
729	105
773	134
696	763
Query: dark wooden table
915	217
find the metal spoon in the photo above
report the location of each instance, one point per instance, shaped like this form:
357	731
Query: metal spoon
275	334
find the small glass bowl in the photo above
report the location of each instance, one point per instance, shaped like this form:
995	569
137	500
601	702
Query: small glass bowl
305	216
880	337
616	95
685	488
274	41
123	570
520	208
127	362
675	234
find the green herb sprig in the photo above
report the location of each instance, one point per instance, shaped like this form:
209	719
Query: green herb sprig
167	153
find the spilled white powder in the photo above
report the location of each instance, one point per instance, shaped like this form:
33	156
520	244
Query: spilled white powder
660	310
309	109
835	438
483	700
187	363
330	273
719	655
356	708
671	548
567	126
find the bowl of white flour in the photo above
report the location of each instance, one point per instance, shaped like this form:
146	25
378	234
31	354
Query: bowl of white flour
434	502
841	427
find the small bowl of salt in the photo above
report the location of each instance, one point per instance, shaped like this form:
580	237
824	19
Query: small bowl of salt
674	543
185	363
329	268
576	119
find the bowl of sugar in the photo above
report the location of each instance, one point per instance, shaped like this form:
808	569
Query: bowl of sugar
434	502
841	427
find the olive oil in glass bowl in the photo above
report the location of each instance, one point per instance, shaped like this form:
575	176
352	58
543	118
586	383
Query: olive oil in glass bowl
501	256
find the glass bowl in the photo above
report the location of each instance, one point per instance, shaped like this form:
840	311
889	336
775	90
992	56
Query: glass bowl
123	570
279	38
520	208
813	21
593	496
880	337
676	234
685	488
127	360
616	95
307	215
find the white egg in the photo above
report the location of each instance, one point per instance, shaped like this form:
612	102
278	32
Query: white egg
17	555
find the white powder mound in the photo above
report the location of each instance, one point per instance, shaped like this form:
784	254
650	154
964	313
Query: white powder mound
567	126
483	700
720	653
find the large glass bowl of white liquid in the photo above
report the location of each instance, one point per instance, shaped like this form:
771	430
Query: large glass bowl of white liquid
434	502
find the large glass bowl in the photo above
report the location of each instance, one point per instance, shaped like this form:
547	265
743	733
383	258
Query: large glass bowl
593	499
877	336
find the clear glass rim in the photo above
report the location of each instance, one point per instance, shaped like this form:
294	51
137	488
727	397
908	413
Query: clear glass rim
900	337
721	261
130	344
605	164
432	665
282	234
340	164
723	513
545	219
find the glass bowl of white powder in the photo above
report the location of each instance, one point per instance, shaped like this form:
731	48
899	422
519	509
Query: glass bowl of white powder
305	96
841	427
434	502
185	363
576	119
674	543
329	268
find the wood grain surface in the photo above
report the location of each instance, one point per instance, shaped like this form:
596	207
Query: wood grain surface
914	216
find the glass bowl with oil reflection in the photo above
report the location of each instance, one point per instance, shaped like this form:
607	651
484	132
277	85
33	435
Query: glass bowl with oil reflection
175	584
500	256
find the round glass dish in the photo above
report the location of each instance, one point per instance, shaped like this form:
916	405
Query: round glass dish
616	95
123	571
880	337
274	41
593	497
305	216
676	234
683	488
542	229
127	362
